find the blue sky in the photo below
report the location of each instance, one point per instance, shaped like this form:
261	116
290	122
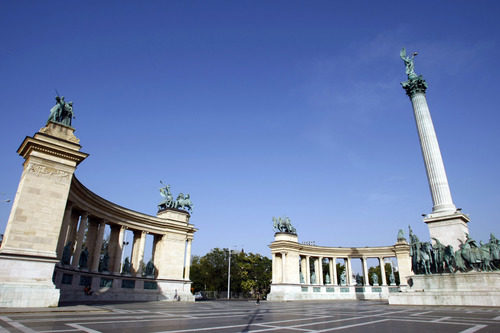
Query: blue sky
261	109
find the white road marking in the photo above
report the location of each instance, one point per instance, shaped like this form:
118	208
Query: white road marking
473	329
17	325
353	325
440	319
420	313
83	328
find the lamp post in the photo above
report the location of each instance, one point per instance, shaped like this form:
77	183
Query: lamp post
229	277
229	273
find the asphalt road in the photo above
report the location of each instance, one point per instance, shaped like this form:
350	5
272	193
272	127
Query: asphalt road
235	316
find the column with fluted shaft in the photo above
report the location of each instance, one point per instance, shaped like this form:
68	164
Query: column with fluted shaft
445	223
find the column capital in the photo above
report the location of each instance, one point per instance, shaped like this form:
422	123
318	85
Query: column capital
414	86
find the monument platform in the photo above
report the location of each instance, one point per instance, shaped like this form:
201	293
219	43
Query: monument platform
462	289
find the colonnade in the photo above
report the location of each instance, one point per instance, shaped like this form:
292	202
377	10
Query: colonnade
80	226
317	275
85	228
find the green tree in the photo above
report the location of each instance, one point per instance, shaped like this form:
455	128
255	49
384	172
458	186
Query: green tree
250	272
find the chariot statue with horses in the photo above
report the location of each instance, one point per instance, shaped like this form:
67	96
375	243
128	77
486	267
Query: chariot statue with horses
283	225
182	202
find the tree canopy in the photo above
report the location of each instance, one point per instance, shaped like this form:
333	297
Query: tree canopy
250	273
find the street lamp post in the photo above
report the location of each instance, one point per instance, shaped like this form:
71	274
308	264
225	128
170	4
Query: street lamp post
229	273
229	277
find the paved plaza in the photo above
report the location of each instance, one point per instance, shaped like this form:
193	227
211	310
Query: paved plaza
240	316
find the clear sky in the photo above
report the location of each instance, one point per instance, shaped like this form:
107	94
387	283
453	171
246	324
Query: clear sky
261	109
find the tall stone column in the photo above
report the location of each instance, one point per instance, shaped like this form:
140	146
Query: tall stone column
138	251
96	254
79	240
71	237
382	271
303	268
283	267
445	222
91	239
65	229
308	270
117	261
348	271
29	248
330	270
365	272
334	272
320	270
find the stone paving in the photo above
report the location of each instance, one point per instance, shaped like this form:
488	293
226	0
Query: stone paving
236	316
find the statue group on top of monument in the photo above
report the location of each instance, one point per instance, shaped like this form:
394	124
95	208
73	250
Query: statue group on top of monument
283	225
62	112
182	202
427	258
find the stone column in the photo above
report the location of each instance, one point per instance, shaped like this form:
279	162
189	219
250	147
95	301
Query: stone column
445	223
436	174
91	239
138	251
157	253
96	254
320	271
303	268
365	273
75	217
348	271
117	261
283	267
334	272
187	264
330	270
382	270
65	229
79	240
112	245
308	270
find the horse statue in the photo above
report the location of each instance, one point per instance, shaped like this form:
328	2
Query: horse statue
184	202
471	253
283	225
438	255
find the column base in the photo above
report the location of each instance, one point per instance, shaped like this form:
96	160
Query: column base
449	229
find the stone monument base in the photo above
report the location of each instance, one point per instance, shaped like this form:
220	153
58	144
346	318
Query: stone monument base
111	287
302	292
448	228
468	289
27	283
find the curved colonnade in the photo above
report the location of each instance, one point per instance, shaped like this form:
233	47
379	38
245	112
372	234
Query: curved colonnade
83	232
298	270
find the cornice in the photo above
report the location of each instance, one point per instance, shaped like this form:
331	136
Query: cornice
29	145
84	199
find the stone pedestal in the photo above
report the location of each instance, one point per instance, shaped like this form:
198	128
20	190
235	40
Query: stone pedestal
449	229
28	252
470	289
